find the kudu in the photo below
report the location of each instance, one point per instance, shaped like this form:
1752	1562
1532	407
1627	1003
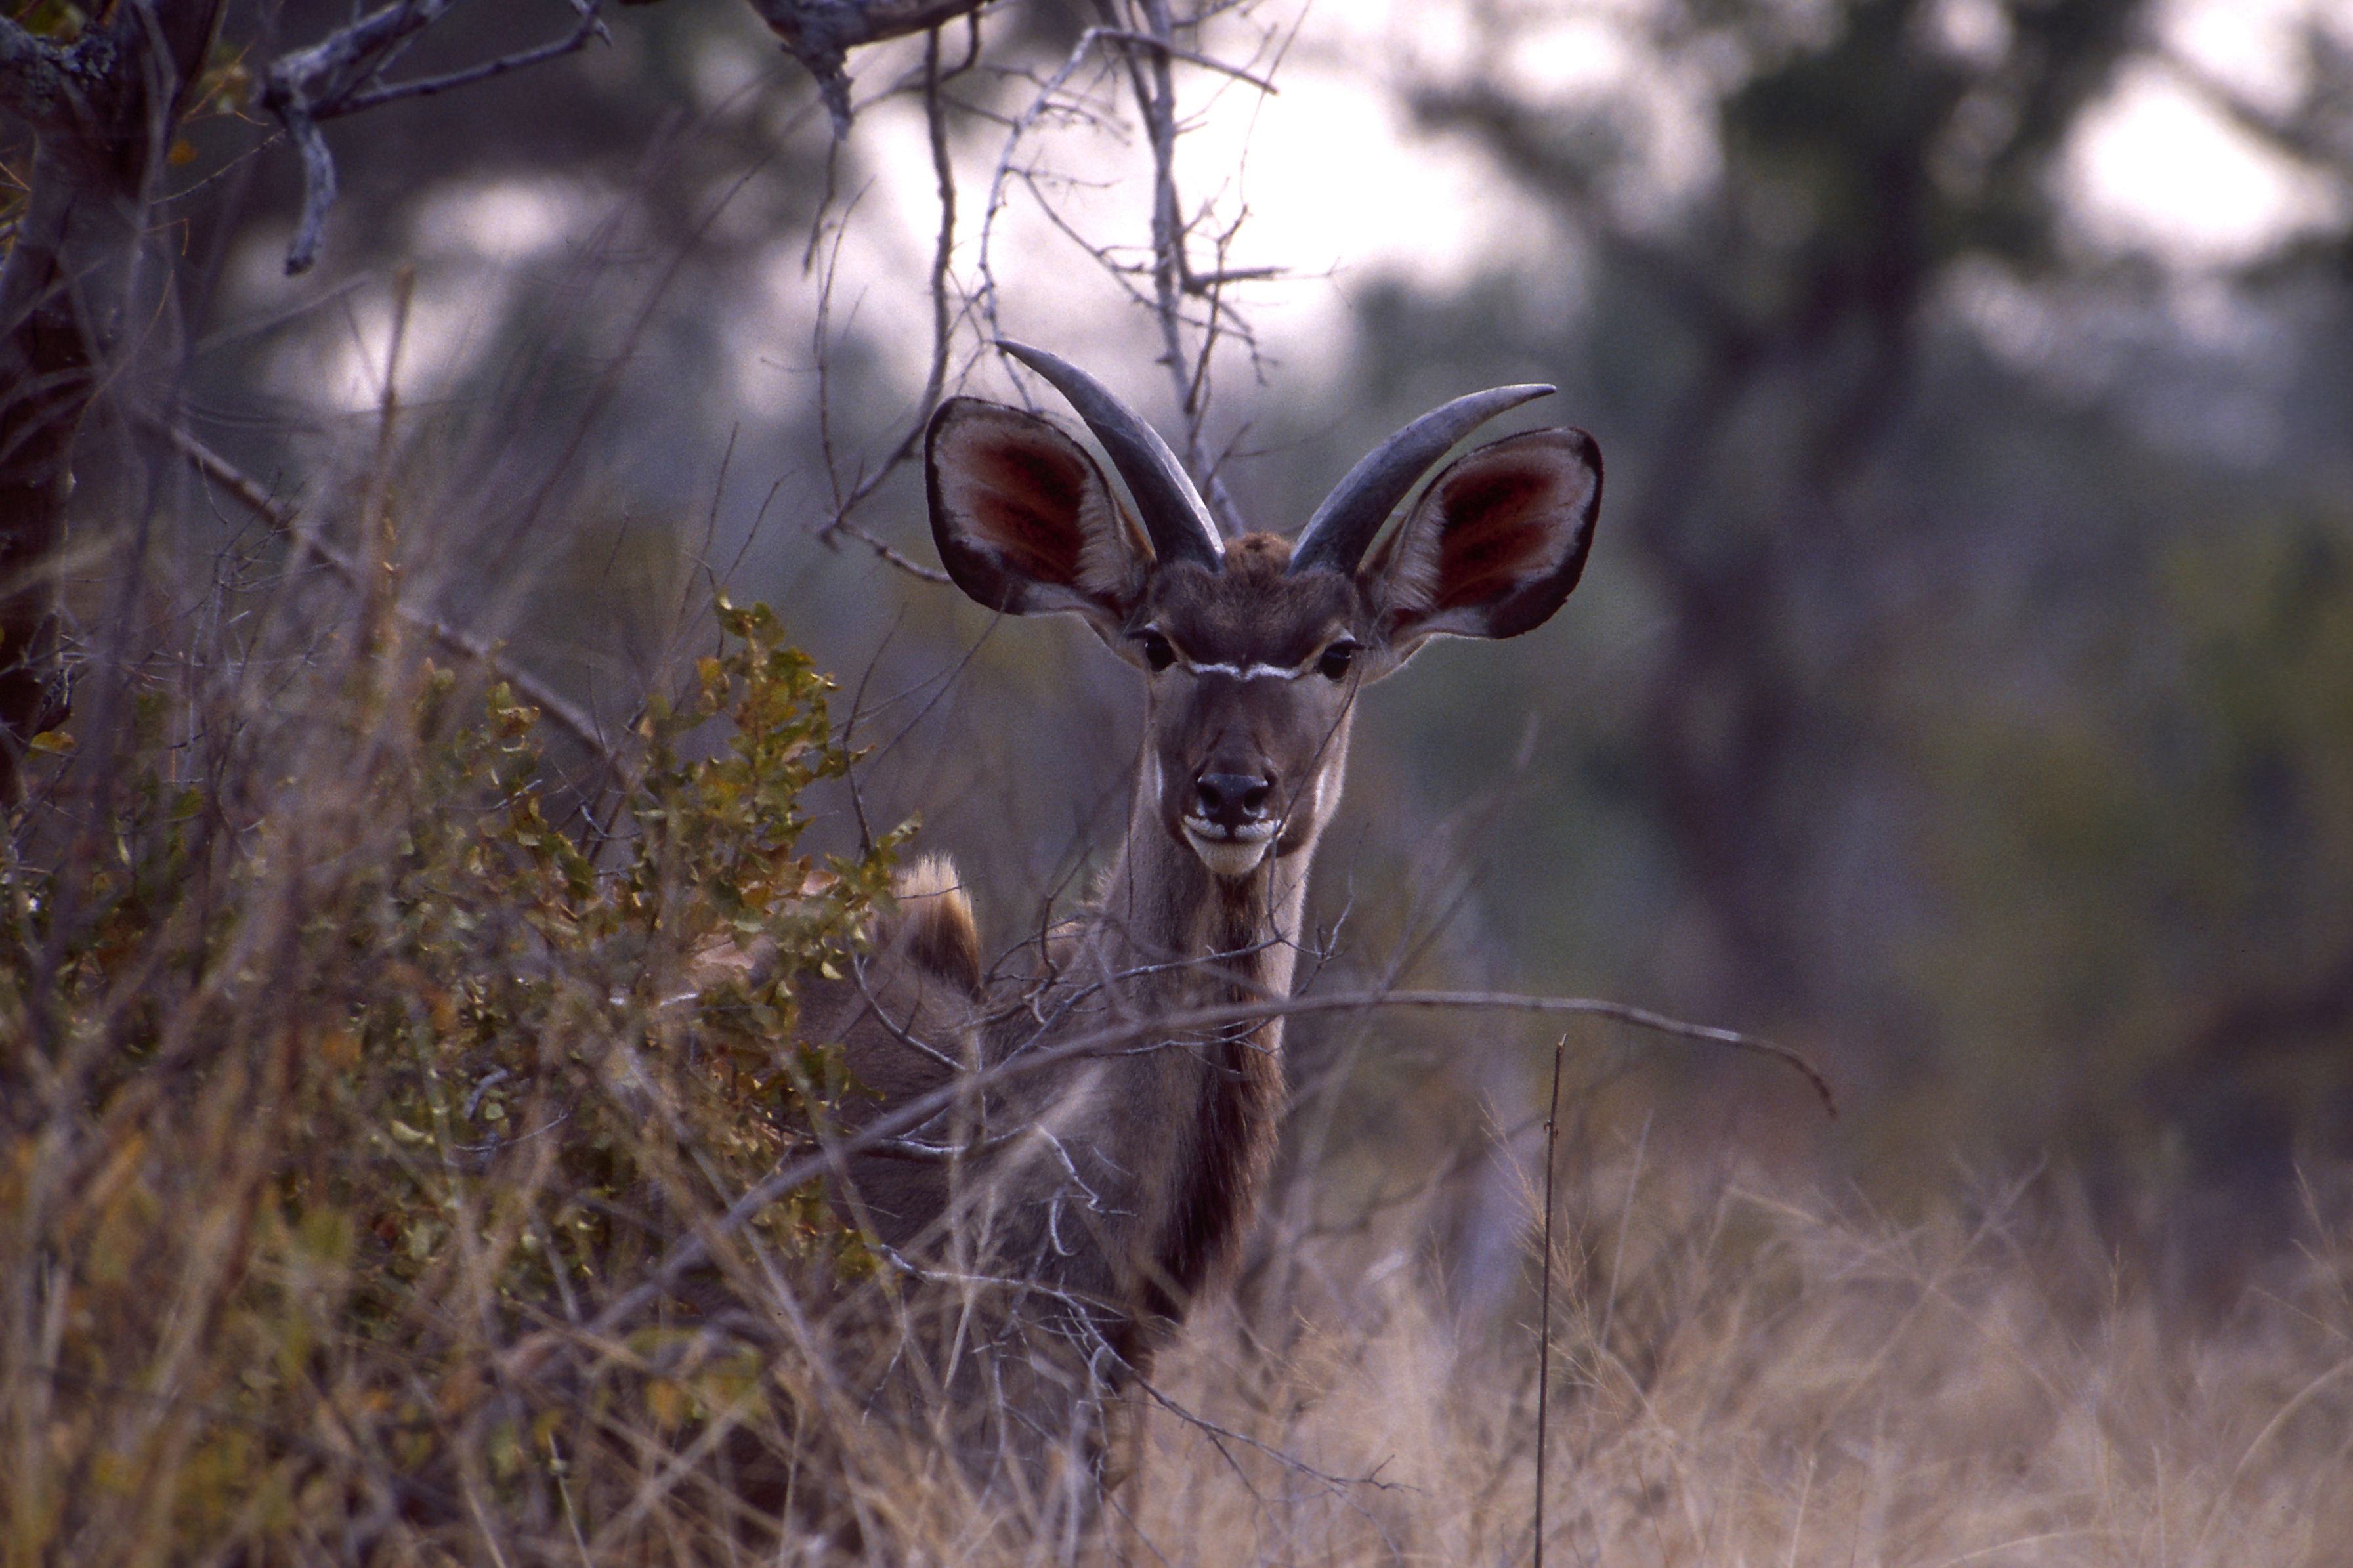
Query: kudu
1098	1199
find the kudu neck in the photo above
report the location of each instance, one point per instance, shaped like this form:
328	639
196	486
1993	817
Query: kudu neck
1173	915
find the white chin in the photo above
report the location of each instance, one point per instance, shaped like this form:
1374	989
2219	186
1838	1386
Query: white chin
1228	858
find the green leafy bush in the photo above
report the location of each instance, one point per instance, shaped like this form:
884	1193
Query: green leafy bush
349	1078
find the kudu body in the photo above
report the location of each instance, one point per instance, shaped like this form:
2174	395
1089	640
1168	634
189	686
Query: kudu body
1097	1199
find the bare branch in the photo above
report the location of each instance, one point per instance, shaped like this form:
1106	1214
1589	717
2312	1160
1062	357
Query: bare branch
588	28
883	551
935	120
1289	1461
942	326
1173	278
694	1250
1156	96
1049	100
342	74
821	33
1190	57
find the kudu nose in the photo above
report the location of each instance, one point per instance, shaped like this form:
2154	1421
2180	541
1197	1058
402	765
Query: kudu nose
1232	800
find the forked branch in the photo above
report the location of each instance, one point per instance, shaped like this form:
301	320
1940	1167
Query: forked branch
343	73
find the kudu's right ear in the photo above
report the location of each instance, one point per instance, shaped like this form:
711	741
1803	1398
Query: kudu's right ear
1494	545
1024	520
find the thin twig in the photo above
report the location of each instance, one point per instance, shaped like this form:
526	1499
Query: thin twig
473	645
589	28
1289	1461
692	1251
1190	57
889	556
936	120
943	329
1173	278
1048	99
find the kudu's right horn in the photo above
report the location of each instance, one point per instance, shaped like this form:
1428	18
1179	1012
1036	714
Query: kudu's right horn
1173	514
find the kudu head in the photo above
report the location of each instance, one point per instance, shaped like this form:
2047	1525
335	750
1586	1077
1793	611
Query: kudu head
1255	647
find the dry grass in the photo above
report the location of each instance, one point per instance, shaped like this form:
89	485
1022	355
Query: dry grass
1768	1383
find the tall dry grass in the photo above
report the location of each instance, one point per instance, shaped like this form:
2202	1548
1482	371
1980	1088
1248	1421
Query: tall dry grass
1743	1377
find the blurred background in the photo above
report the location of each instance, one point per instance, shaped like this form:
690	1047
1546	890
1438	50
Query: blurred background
1961	691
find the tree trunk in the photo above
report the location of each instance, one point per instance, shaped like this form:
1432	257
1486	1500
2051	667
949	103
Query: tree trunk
77	292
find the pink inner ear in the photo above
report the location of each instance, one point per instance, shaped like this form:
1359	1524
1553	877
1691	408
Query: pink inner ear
1024	504
1501	541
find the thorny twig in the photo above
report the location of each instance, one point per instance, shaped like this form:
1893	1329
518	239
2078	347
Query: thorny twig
343	73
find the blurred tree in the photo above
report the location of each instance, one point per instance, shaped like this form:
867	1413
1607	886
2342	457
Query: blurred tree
1996	728
1859	166
152	187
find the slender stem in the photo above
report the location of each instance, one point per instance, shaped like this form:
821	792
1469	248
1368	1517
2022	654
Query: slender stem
1544	1307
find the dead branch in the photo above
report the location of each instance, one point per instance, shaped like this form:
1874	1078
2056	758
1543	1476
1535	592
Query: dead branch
942	326
821	33
343	73
1049	100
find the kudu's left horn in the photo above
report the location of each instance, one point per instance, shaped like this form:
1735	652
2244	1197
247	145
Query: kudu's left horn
1336	538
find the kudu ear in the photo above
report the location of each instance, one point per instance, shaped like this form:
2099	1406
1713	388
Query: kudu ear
1024	520
1494	545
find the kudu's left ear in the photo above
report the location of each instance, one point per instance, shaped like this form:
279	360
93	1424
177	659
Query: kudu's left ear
1494	545
1024	520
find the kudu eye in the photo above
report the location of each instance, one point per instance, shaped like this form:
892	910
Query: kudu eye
1335	661
1158	652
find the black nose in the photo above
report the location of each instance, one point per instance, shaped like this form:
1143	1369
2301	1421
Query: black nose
1232	800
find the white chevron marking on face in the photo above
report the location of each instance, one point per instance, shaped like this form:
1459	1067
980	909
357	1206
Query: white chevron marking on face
1248	672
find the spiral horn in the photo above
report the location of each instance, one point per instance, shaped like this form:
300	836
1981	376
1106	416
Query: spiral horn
1336	538
1173	514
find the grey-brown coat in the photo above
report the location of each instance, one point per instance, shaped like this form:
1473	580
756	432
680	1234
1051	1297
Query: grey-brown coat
1081	1211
